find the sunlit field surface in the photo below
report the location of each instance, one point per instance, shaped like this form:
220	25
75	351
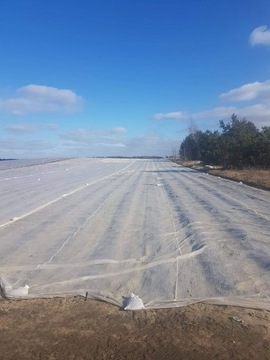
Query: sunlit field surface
113	227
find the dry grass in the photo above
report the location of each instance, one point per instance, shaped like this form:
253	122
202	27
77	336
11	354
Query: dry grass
255	177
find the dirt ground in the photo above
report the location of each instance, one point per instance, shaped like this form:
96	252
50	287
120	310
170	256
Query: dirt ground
72	328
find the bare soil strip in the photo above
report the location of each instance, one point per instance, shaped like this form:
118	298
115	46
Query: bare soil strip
72	328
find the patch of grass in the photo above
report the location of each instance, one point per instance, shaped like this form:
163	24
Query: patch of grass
258	178
254	177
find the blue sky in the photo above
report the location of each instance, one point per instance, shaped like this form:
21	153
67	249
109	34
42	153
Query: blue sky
127	77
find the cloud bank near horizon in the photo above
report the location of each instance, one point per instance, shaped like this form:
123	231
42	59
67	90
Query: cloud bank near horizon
85	142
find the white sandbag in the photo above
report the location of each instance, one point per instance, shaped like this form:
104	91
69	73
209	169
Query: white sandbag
21	291
134	302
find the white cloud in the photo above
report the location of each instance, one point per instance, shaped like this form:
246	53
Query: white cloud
111	136
40	98
90	142
152	143
50	126
259	113
177	115
257	110
98	142
260	36
29	128
32	145
218	112
22	149
118	130
257	96
251	91
21	128
117	145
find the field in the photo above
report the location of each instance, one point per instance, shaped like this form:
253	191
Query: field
108	228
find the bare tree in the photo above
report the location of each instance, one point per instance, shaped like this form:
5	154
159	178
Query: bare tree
174	152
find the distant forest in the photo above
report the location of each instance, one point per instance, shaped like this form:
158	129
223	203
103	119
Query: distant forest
239	144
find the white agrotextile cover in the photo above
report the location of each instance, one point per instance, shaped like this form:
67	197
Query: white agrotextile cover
119	227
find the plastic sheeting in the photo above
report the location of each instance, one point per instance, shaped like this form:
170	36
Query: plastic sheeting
115	227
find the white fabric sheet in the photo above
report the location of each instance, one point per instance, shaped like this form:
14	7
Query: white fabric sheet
113	227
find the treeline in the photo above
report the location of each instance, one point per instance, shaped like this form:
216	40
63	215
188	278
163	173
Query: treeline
239	144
